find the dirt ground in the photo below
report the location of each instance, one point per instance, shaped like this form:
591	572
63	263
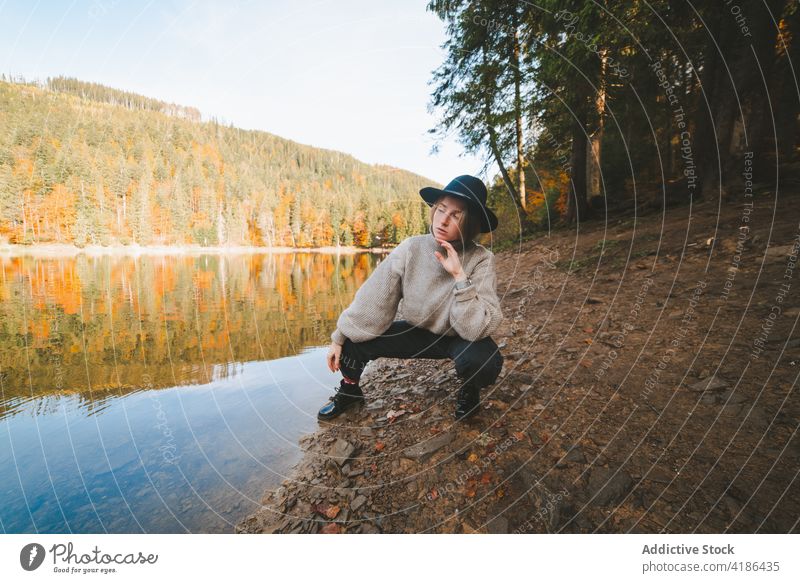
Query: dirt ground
649	385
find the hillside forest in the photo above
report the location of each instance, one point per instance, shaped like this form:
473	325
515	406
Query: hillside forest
85	164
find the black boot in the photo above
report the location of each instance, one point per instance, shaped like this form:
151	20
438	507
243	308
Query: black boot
346	396
468	401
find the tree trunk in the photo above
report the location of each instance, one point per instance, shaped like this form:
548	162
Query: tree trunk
703	130
785	91
518	120
760	90
496	154
576	196
594	153
739	103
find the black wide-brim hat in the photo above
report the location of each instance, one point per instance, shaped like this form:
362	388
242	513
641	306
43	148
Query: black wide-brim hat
470	189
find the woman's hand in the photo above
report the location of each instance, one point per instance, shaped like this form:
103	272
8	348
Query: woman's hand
451	263
334	353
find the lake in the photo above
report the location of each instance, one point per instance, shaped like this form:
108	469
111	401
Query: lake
160	393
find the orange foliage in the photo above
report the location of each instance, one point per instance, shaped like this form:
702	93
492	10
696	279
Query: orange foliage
360	232
162	223
23	167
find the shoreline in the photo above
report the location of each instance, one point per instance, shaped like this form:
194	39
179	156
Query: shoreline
67	250
556	446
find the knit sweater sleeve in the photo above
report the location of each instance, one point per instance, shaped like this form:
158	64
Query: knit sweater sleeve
476	313
375	304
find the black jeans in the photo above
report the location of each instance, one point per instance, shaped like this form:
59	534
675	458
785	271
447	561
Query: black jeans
478	362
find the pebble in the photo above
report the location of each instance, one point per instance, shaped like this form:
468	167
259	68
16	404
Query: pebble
711	383
575	454
424	449
341	451
608	486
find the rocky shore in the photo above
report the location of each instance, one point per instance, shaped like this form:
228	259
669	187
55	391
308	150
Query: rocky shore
630	399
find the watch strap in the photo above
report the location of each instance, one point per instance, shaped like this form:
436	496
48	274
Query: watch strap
462	284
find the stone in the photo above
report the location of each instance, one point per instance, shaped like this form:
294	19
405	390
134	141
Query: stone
575	455
497	525
711	383
467	528
341	451
708	399
608	486
358	502
406	464
732	410
344	516
659	475
522	378
424	449
730	397
534	437
369	528
778	253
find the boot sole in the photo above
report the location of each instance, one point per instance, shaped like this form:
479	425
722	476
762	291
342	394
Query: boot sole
471	413
337	414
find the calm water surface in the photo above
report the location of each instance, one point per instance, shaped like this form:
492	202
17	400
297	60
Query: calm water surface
160	393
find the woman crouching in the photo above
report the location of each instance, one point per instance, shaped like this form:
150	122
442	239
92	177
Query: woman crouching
447	283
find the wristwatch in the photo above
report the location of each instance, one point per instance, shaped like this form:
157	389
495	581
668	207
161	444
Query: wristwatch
462	284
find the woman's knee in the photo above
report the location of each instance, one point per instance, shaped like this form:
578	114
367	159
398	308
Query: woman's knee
480	362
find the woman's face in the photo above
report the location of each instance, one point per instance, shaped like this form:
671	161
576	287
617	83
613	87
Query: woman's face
447	219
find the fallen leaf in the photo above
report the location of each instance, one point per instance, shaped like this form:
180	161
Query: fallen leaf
330	528
519	436
473	457
392	414
500	493
486	477
379	446
589	341
470	493
484	439
434	494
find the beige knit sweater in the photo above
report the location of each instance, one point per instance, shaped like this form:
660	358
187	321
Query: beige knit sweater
412	273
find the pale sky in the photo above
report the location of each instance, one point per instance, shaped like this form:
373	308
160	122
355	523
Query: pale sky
347	75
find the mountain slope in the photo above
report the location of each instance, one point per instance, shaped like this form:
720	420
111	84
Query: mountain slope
81	163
